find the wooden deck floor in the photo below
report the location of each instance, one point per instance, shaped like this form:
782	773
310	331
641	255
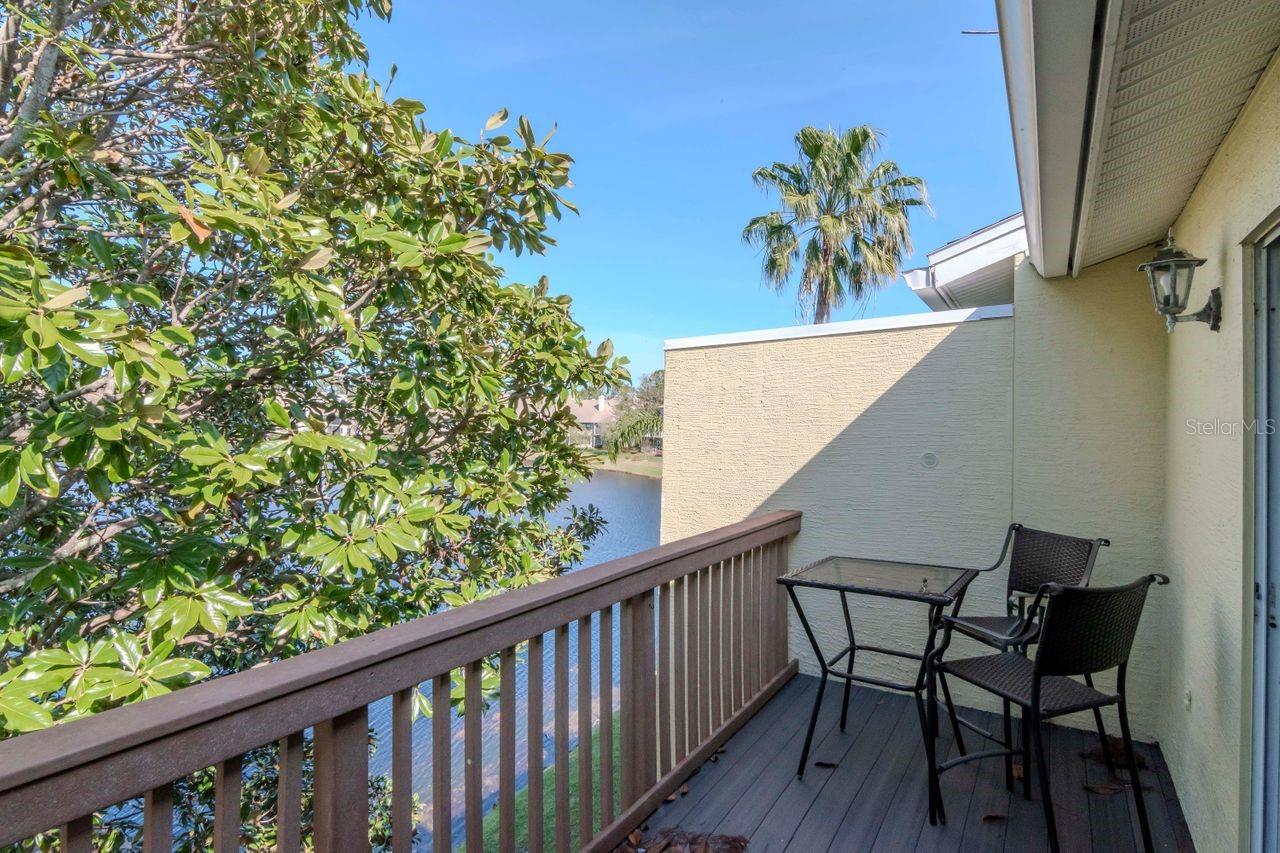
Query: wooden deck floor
874	798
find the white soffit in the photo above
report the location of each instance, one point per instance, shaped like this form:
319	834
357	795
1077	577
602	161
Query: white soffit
1172	77
974	270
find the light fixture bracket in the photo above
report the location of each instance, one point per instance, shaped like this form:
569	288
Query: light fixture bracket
1211	313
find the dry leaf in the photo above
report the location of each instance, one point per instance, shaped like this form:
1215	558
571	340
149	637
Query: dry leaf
287	200
1103	788
317	259
70	296
994	818
197	227
1017	771
670	798
684	790
826	764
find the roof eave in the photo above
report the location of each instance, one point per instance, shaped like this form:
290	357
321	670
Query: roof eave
1048	84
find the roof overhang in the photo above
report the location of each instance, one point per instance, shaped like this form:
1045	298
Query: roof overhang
1117	107
1047	47
973	271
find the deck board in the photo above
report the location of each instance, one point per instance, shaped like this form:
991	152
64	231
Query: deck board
875	796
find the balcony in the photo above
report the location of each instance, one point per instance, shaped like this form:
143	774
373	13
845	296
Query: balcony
687	661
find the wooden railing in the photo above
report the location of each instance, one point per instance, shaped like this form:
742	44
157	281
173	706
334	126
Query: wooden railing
702	646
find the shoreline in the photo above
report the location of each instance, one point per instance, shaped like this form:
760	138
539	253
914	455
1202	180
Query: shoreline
636	464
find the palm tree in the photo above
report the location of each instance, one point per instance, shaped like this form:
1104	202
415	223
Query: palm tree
842	218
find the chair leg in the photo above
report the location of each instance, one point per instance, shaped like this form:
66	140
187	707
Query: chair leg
1134	779
1026	754
1102	733
1008	744
937	813
1045	794
813	724
951	713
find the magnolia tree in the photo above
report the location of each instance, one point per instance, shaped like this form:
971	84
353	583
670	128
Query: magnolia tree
264	387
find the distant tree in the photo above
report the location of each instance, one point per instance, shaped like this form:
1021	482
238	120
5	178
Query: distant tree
842	219
639	413
264	387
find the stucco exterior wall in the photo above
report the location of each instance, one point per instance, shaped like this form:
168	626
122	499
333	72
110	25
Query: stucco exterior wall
1208	516
836	427
1089	415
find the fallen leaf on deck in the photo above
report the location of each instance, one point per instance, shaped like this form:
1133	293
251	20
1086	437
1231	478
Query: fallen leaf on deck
994	818
826	764
1103	788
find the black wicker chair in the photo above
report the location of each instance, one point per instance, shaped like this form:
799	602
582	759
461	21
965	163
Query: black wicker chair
1038	557
1083	631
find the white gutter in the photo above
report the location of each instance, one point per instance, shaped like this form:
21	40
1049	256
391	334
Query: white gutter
1048	50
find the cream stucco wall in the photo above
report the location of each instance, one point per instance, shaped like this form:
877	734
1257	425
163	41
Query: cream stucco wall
1089	415
1207	513
836	427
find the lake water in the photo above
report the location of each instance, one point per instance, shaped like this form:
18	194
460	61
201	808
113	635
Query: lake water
631	505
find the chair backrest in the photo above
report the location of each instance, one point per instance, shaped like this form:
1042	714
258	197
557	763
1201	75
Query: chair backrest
1040	557
1090	629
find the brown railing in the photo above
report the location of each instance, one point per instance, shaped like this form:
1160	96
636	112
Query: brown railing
703	645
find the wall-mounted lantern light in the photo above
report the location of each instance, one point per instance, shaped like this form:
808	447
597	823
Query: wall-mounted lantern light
1170	273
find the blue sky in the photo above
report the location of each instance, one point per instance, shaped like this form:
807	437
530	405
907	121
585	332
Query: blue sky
668	107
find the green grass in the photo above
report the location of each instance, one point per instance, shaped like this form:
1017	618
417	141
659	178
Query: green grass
549	797
642	464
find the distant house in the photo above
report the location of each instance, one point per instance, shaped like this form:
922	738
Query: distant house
593	417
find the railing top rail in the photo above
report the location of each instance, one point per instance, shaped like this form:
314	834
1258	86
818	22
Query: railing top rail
477	630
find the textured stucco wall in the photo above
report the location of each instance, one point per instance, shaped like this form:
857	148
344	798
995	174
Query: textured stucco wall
1207	515
1089	415
836	427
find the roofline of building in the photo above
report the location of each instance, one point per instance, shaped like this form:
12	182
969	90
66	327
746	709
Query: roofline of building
847	327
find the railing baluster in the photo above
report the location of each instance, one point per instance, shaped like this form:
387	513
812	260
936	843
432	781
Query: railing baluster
607	813
402	770
679	649
77	835
507	749
718	677
638	738
561	689
289	794
441	764
586	796
750	620
704	654
535	713
157	819
738	635
764	670
473	747
228	777
782	638
342	783
664	679
646	683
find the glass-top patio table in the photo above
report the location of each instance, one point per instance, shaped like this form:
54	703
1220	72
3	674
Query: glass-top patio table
937	587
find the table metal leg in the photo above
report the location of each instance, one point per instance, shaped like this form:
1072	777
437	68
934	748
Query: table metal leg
853	648
822	685
813	724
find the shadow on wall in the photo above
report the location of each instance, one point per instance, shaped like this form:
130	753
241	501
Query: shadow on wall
923	471
895	444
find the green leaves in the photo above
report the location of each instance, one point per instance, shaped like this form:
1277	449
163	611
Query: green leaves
264	385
